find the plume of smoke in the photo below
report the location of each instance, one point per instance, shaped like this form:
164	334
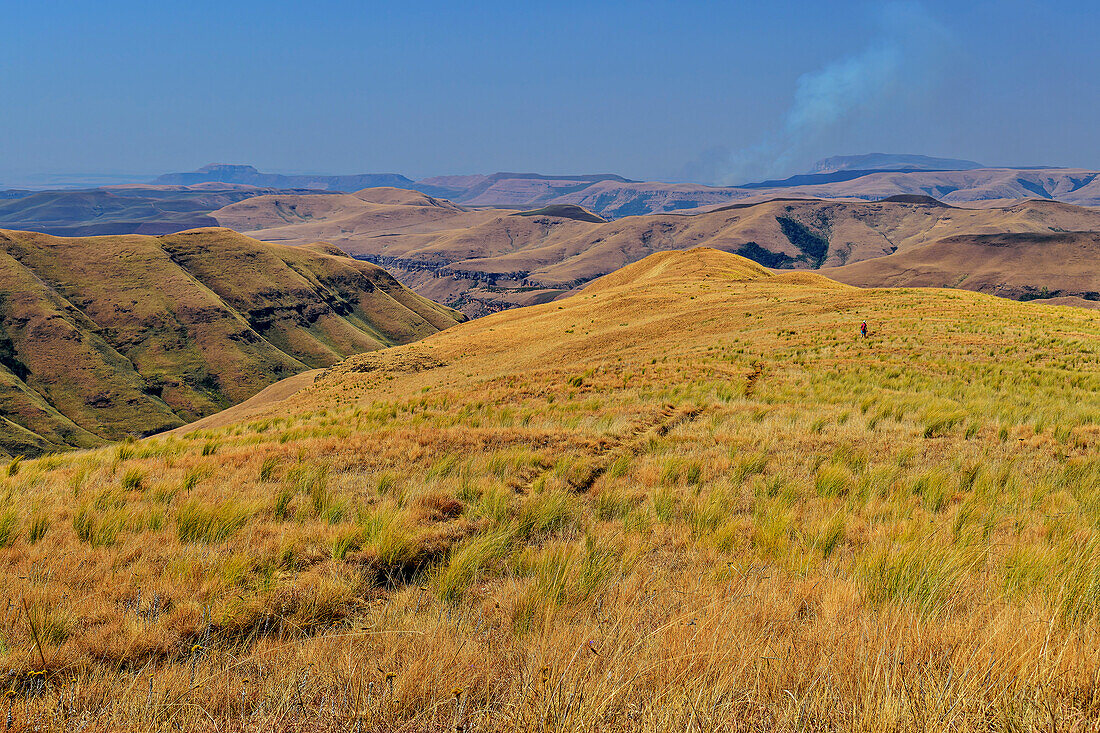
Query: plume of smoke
897	67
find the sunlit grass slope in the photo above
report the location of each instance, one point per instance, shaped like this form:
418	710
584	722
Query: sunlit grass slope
688	498
104	337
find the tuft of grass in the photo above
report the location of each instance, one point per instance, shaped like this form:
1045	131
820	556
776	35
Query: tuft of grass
209	524
467	562
940	423
268	468
547	513
281	506
40	525
832	481
923	577
9	527
346	542
95	530
133	480
747	465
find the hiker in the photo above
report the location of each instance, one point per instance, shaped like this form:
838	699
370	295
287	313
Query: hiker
863	329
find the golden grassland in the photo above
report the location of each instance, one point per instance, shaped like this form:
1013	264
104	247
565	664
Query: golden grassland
688	498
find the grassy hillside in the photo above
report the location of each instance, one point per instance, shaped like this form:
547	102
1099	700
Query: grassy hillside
108	337
691	497
484	261
1023	266
131	209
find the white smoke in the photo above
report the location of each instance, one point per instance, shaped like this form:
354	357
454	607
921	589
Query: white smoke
898	67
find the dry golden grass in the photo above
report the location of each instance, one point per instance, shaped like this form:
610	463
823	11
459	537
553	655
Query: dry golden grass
693	499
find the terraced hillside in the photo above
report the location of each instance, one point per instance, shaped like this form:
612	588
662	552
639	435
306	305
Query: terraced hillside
689	497
107	337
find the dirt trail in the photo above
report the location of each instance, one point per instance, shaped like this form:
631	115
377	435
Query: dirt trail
669	418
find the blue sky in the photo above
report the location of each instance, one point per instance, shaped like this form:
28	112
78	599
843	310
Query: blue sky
650	90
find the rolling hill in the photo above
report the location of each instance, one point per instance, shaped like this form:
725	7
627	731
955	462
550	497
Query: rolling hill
482	261
1022	266
107	337
689	497
131	209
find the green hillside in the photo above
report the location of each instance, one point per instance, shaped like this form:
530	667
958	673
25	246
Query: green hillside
108	337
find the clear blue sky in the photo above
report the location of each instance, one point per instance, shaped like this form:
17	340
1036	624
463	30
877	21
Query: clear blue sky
649	90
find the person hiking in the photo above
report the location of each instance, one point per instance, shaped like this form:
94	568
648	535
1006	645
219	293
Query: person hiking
863	329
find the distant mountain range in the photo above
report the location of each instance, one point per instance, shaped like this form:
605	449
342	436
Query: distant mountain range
178	201
891	161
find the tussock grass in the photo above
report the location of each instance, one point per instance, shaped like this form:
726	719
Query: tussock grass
868	539
197	522
9	527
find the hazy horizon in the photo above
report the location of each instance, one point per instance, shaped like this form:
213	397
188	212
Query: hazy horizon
650	90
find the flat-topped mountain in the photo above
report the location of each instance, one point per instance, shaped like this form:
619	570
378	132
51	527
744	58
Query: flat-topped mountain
107	337
246	174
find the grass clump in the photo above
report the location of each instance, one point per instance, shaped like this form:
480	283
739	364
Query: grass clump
209	524
40	525
925	578
133	480
9	527
95	530
466	563
938	424
268	468
832	481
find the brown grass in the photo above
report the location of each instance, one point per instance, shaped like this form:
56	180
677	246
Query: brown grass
705	504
